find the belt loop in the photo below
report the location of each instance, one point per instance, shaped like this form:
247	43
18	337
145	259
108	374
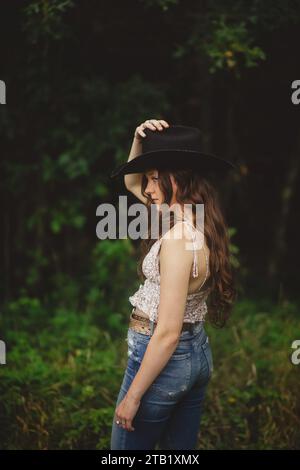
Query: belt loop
151	327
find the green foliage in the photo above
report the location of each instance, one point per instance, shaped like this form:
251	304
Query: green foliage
113	267
253	400
63	373
61	377
44	18
68	166
69	121
230	47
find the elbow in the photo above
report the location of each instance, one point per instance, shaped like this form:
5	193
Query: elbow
169	337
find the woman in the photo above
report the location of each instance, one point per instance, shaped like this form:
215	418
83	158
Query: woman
169	366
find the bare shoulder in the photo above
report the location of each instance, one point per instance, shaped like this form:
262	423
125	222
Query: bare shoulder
178	232
177	242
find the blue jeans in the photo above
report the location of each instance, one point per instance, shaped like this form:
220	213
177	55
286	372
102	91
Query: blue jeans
170	410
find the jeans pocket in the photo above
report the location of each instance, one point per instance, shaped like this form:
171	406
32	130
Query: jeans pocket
173	380
208	356
132	352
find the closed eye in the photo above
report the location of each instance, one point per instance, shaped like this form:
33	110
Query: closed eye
152	177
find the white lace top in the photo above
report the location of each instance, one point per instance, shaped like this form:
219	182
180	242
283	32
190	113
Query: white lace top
147	296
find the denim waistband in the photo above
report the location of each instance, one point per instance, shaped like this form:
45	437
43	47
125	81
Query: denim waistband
197	334
187	342
194	328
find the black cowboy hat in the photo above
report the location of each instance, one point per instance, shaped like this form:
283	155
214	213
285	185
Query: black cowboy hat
175	147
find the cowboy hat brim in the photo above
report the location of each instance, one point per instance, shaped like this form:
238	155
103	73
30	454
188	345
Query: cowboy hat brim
173	159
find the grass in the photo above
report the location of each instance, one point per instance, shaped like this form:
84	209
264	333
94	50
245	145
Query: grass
63	373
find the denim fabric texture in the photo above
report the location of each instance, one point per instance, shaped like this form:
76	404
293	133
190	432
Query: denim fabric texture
170	411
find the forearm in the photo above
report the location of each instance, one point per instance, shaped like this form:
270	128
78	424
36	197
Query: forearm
158	353
134	179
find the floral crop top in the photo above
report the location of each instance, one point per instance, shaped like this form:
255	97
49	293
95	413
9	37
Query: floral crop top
147	296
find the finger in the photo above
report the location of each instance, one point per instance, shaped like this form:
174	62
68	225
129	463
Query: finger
150	125
157	124
124	424
141	133
128	425
164	123
138	131
121	421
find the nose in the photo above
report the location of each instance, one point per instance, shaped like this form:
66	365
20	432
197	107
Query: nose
151	195
149	189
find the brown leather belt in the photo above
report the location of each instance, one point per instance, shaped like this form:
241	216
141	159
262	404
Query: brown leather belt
143	325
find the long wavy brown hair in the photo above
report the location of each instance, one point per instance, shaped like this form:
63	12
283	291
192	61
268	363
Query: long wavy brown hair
193	188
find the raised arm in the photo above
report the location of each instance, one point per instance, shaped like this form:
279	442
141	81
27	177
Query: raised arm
133	181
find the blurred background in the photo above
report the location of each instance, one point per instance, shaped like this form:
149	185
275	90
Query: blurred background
80	76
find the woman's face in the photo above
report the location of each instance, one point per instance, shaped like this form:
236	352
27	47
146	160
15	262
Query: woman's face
153	189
